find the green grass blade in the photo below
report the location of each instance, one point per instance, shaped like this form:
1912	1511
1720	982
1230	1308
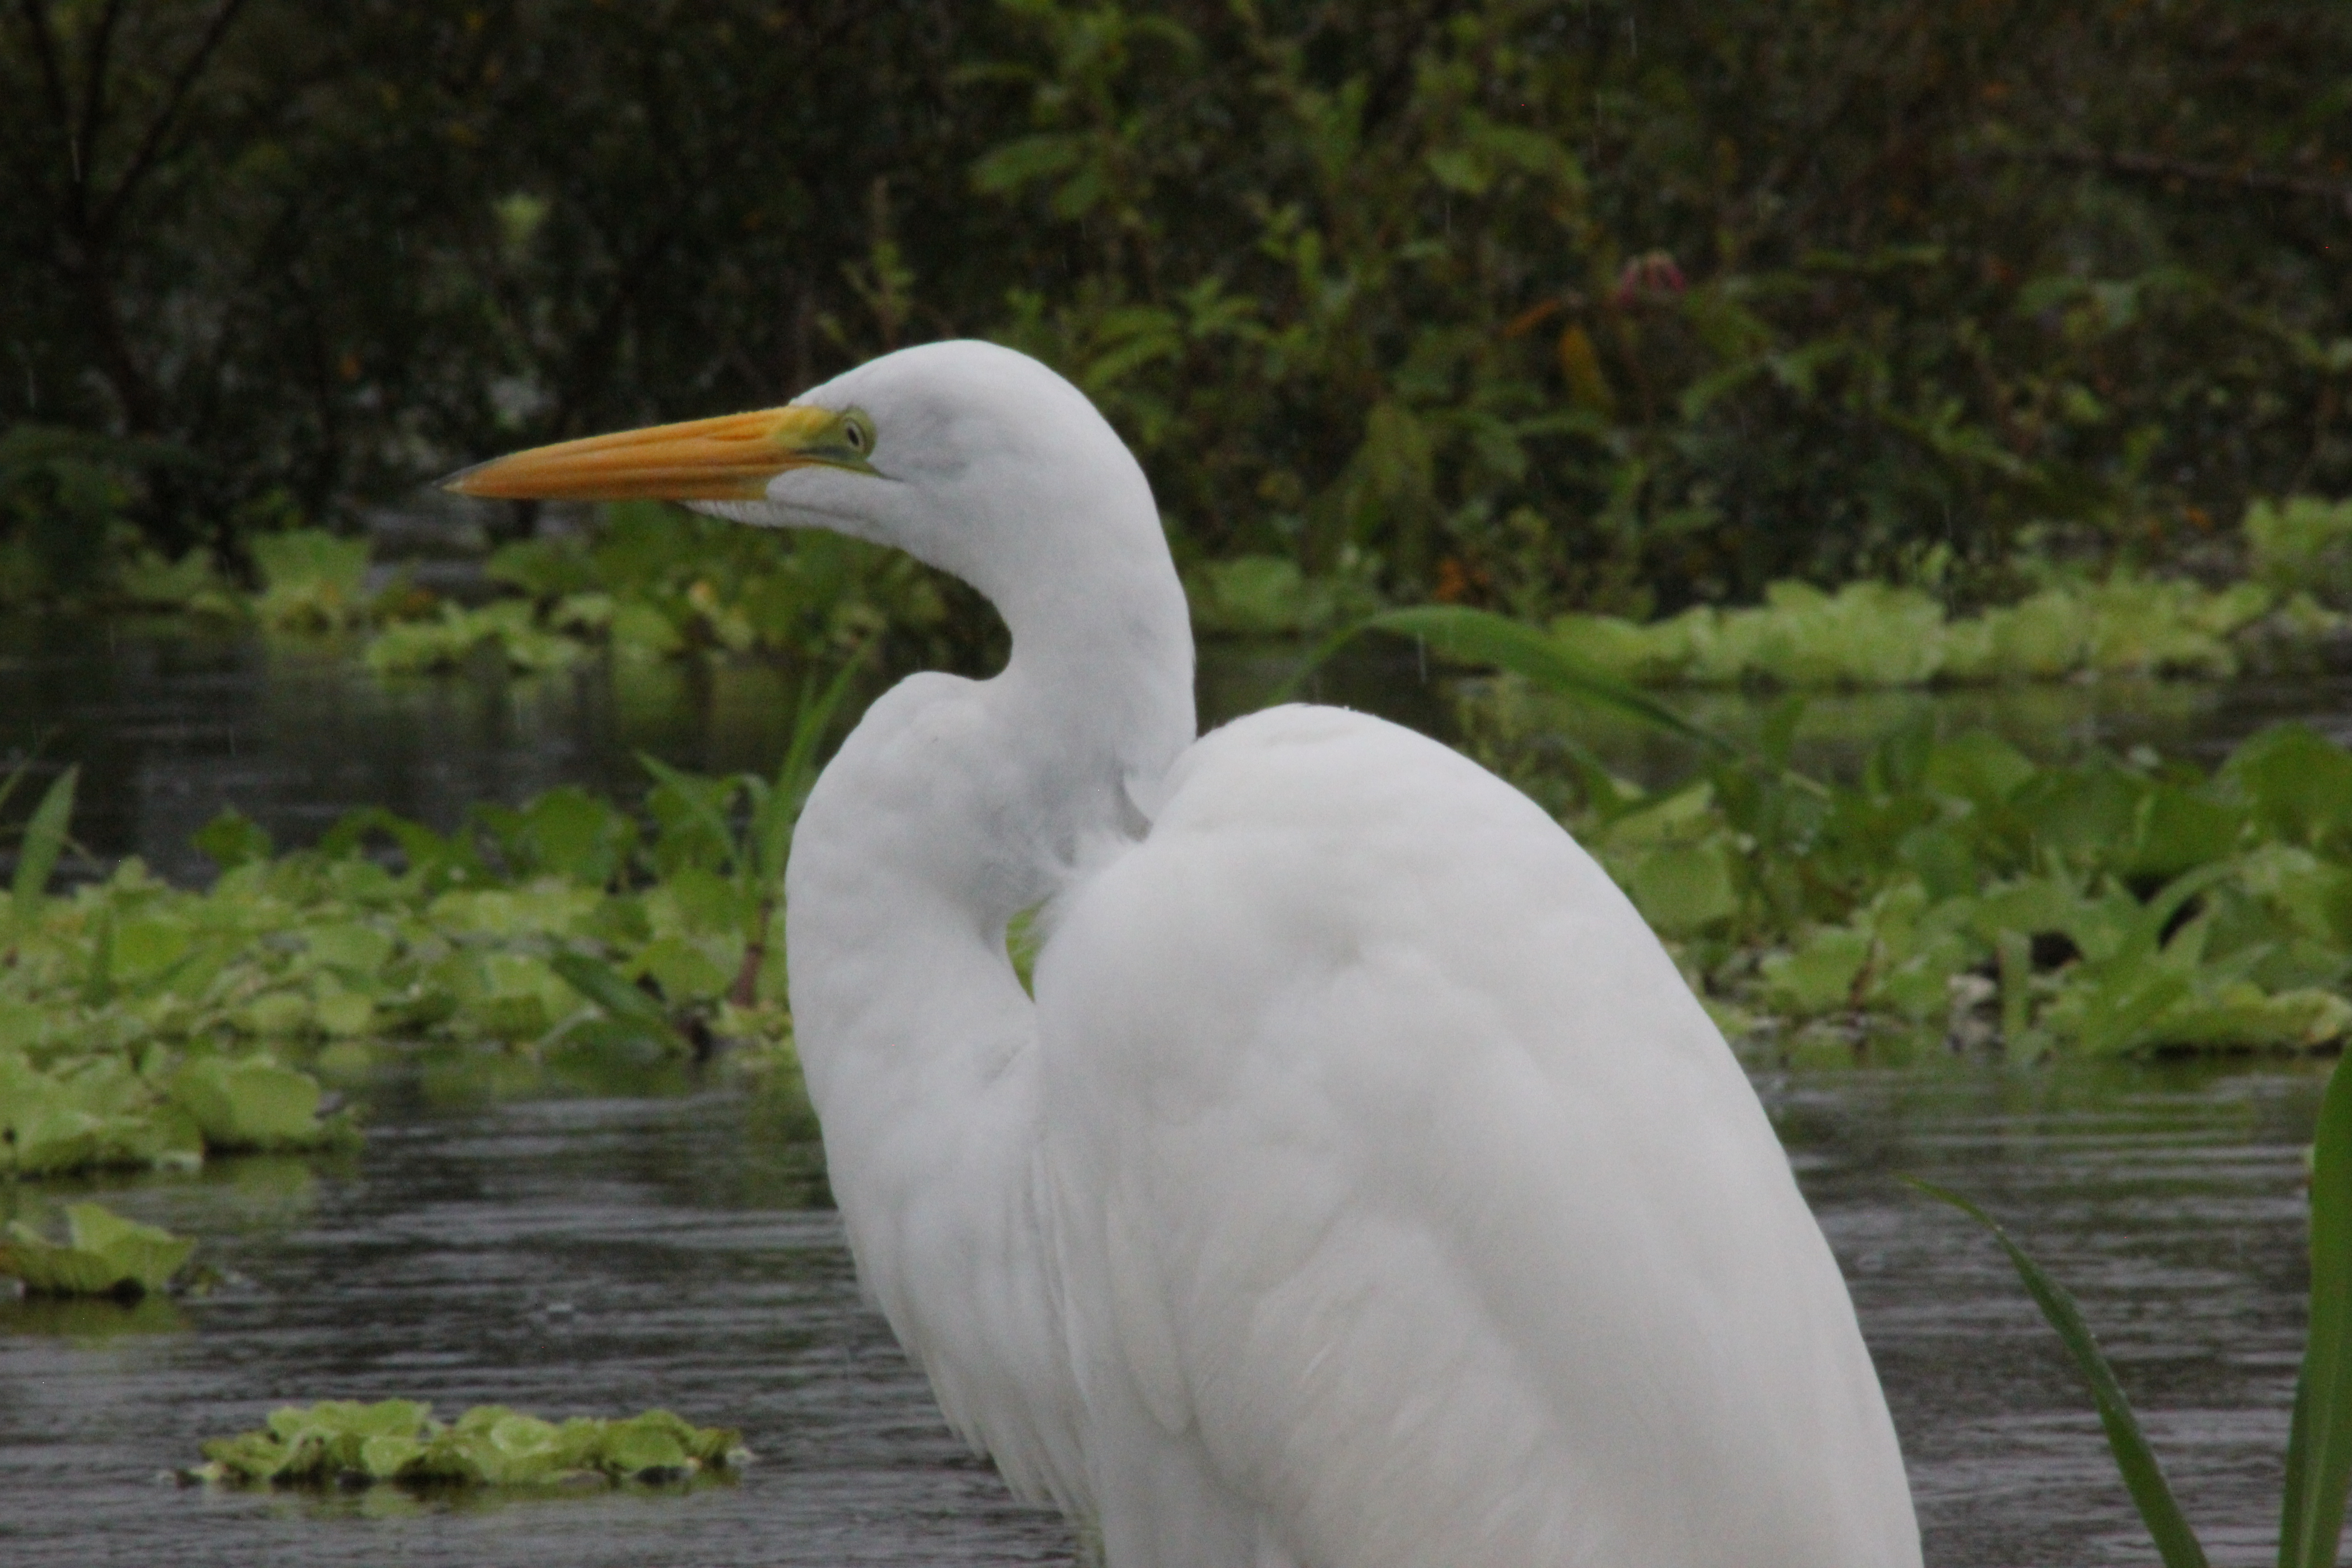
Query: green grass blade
2319	1444
2175	1542
603	984
697	801
12	780
796	775
1481	636
45	841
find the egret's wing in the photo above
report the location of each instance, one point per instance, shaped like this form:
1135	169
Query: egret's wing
1402	1188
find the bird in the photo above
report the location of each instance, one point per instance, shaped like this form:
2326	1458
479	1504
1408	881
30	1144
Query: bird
1356	1183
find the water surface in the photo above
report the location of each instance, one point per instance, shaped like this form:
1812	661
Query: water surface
173	723
601	1256
587	1254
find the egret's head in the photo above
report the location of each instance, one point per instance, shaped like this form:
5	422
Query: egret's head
970	457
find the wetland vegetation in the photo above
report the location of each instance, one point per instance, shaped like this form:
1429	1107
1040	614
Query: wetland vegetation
1749	354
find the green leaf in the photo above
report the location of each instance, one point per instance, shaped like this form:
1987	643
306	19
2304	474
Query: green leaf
688	801
104	1255
649	1442
1682	889
2175	1542
44	841
2319	1443
1817	977
1026	160
146	1253
2298	782
600	983
1480	636
232	839
773	819
251	1103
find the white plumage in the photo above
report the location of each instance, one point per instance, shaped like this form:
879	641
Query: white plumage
1363	1187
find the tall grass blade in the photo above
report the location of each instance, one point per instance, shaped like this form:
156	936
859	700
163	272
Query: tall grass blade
2319	1444
2175	1542
698	801
796	775
1481	636
45	841
13	779
602	984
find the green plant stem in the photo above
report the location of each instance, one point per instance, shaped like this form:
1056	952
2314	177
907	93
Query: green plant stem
2175	1541
2319	1443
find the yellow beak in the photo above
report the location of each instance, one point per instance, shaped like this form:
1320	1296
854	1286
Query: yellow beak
731	457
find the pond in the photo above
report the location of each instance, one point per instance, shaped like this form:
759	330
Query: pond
172	724
573	1256
571	1251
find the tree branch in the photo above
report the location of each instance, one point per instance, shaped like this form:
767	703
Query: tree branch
53	84
151	146
2152	166
93	90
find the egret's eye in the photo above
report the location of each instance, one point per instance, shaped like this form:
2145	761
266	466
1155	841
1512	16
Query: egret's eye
857	435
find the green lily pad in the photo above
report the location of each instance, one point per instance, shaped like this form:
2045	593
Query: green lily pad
252	1102
104	1255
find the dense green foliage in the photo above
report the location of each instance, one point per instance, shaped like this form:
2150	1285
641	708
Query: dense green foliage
2287	615
1606	307
145	1025
1957	892
1957	896
655	582
341	1443
652	581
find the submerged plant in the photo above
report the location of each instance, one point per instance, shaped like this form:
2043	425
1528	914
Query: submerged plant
2319	1441
343	1443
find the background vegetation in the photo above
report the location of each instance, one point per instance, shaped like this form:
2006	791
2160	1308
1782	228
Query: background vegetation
1569	306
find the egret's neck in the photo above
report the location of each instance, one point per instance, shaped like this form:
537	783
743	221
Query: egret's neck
954	806
1098	696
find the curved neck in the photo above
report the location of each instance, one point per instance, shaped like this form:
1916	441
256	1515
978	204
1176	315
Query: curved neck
954	806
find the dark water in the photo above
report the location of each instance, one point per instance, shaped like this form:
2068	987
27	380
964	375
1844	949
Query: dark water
172	724
601	1256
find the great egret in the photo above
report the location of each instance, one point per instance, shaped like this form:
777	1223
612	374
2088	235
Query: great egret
1363	1186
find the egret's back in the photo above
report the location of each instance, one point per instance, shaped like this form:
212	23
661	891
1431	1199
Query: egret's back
1411	1210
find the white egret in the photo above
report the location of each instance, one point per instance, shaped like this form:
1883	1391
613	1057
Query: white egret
1363	1186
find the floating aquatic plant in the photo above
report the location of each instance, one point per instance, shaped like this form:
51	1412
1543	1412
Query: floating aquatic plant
104	1255
449	640
145	1025
343	1443
311	580
1870	634
1957	892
